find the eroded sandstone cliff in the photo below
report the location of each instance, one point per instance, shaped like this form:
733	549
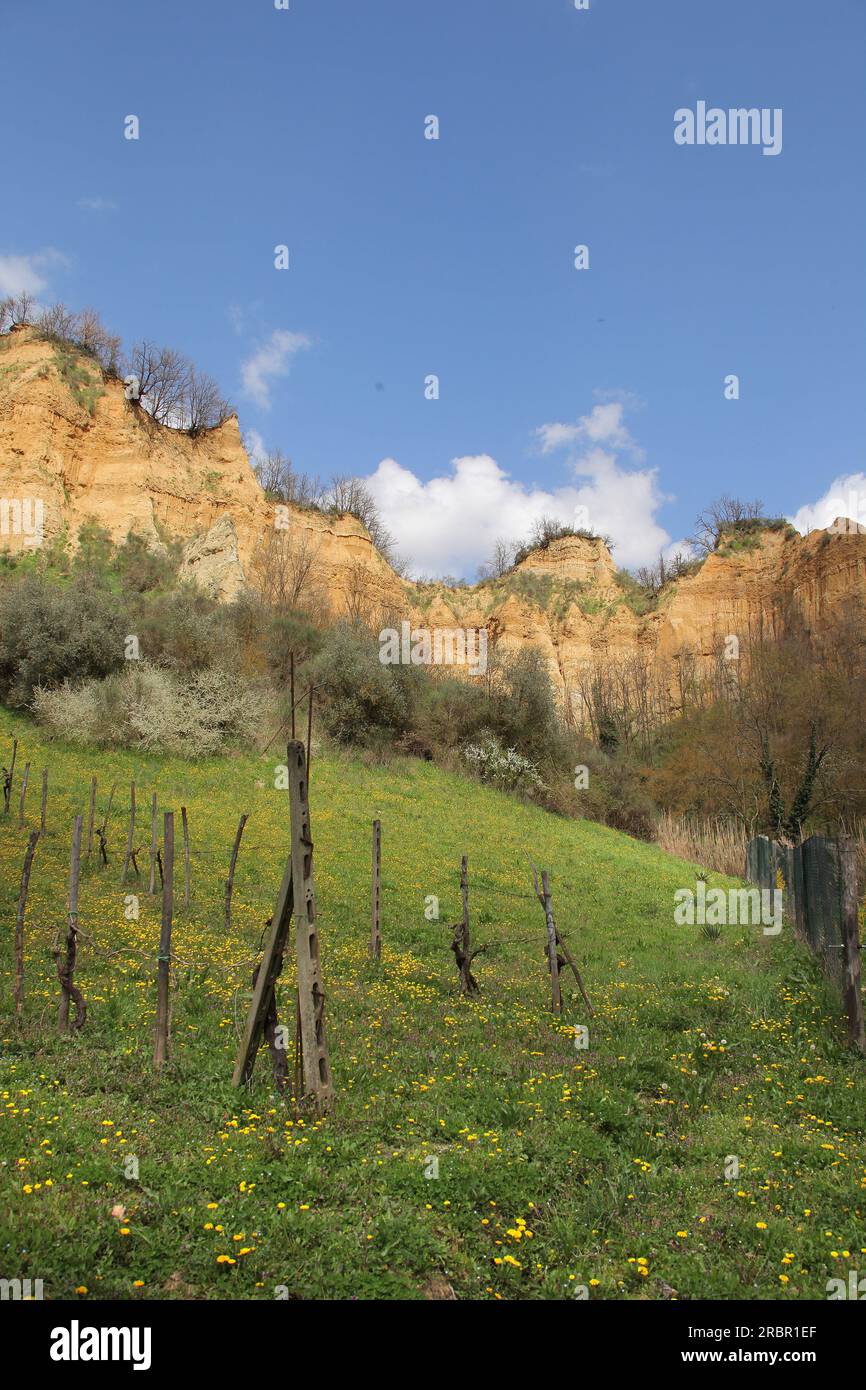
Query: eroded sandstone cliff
72	441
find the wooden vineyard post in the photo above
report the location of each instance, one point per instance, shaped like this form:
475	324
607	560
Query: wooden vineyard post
296	895
461	943
91	814
43	811
311	997
102	829
557	944
185	824
851	943
66	971
24	782
8	774
552	953
19	922
376	932
160	1050
232	864
152	884
130	837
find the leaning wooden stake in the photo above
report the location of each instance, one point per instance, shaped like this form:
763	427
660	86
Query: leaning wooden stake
230	881
152	883
91	816
185	824
66	971
264	986
851	943
376	932
19	922
160	1050
567	958
24	781
129	839
43	811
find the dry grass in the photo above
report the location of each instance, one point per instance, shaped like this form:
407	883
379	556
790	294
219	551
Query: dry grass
718	845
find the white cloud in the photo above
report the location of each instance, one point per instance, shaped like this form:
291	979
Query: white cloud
846	496
98	204
448	525
603	425
27	274
272	359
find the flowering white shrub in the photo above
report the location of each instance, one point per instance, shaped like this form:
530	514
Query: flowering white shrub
146	707
503	767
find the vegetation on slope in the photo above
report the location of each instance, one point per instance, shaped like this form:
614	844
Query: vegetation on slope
558	1169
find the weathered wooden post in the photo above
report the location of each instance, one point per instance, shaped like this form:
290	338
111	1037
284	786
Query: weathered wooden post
91	815
311	996
185	824
461	943
43	811
552	953
19	922
232	863
129	839
24	781
297	894
376	932
66	971
464	897
152	884
102	829
160	1050
8	774
851	942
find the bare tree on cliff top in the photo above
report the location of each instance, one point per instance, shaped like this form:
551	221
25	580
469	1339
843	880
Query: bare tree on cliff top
715	519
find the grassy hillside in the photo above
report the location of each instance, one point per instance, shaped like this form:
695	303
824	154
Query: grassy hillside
558	1168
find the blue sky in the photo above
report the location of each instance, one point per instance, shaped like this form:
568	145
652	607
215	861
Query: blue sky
411	257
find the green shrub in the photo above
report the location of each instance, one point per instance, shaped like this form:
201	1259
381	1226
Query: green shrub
359	695
185	631
50	634
143	567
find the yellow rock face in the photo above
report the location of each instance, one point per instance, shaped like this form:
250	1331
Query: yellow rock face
87	453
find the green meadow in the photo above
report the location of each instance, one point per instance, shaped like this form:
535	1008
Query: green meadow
706	1144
